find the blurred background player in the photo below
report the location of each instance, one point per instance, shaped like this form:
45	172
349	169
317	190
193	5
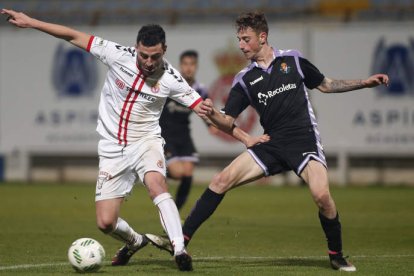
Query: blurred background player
136	86
180	152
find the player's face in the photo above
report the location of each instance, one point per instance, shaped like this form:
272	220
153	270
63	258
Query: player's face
150	59
188	68
250	42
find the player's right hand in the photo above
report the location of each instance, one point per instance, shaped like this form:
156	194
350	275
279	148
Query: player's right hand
253	140
206	107
18	19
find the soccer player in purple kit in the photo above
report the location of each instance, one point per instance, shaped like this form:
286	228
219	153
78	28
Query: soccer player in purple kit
276	84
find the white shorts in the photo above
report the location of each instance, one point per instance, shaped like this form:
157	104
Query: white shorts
120	166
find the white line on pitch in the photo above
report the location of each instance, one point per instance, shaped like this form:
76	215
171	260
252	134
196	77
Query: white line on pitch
24	266
27	266
295	257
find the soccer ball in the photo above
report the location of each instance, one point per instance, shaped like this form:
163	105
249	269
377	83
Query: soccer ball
86	255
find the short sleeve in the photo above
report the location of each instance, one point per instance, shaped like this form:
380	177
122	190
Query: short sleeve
105	50
236	102
313	77
181	91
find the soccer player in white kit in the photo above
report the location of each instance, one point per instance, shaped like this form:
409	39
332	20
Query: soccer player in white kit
137	84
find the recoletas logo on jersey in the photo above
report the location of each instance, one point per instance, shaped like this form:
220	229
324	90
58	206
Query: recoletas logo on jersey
74	72
397	61
263	97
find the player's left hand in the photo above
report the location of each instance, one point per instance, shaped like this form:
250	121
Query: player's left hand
253	140
376	80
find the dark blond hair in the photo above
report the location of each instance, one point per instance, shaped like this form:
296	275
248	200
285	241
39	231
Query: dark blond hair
255	20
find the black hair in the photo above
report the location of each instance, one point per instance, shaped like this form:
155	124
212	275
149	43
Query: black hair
151	35
189	53
255	20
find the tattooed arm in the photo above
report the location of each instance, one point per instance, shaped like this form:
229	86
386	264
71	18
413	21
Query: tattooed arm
339	86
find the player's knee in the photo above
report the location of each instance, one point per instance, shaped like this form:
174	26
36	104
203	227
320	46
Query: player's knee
221	183
323	200
175	174
106	225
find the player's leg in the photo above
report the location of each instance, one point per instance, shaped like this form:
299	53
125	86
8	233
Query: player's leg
181	165
151	170
185	183
315	174
114	183
242	170
109	222
175	169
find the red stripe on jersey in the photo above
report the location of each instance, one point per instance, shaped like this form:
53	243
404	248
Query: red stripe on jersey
131	91
130	109
196	103
88	48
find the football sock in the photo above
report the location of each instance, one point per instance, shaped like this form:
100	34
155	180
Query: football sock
183	191
203	209
125	233
332	229
170	219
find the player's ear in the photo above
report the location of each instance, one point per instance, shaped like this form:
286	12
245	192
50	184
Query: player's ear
164	48
262	38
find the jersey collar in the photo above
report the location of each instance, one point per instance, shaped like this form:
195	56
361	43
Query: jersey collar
276	53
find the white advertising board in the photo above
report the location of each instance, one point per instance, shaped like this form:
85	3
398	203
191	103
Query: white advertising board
373	121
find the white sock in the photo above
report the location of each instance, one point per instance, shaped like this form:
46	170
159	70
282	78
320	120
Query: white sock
126	234
170	220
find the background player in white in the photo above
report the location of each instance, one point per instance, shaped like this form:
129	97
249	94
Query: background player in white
137	84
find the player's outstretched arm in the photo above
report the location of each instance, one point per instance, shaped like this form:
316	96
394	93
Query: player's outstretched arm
21	20
226	124
339	86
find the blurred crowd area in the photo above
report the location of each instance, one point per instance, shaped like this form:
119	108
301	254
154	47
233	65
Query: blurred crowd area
110	12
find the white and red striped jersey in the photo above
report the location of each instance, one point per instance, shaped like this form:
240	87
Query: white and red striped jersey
131	104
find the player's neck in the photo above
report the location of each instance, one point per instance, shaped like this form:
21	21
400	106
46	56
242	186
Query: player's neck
265	56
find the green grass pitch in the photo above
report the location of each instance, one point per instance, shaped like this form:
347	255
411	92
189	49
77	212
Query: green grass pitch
257	230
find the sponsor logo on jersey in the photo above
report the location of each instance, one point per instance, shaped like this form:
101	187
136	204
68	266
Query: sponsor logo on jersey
284	68
397	61
147	97
74	72
263	97
120	83
256	80
126	71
